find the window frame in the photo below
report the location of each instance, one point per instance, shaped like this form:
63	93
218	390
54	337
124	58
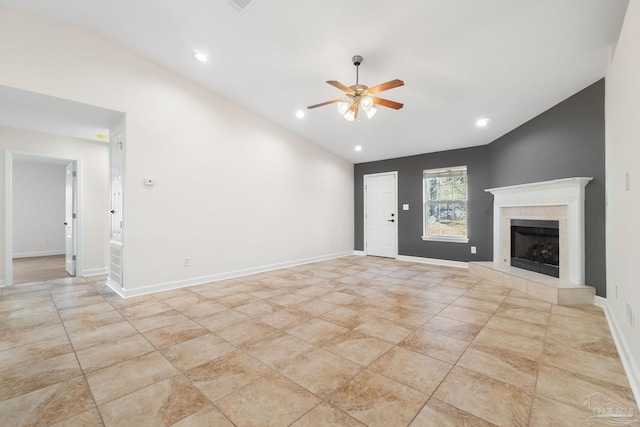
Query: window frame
443	172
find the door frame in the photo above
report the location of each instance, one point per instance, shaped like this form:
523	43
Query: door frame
71	204
10	156
116	247
364	215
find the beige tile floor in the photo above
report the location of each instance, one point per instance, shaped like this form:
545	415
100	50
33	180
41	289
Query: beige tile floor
347	342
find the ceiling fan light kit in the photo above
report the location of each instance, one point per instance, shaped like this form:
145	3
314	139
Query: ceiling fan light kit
360	97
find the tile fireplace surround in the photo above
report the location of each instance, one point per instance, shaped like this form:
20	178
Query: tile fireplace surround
559	200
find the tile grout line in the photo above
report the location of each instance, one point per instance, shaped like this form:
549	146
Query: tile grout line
398	297
452	367
535	387
84	376
178	372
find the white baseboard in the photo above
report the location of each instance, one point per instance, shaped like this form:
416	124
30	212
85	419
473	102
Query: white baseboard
600	302
36	254
115	288
624	351
144	290
434	261
94	272
360	253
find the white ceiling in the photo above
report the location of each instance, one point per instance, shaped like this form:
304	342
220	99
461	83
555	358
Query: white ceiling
41	113
508	60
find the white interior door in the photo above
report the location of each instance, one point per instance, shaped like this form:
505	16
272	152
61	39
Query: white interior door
70	219
381	216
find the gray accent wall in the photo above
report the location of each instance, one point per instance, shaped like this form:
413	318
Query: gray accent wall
410	227
564	141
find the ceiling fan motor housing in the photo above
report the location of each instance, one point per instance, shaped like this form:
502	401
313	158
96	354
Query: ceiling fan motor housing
357	60
359	89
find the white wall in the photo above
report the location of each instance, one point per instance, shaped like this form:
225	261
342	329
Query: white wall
38	209
622	108
233	191
93	186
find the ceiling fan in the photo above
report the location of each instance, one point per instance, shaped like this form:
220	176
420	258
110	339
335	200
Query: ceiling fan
360	96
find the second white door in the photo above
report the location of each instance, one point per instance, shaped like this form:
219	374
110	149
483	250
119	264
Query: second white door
381	216
70	219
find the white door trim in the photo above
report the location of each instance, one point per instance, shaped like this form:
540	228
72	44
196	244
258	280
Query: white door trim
364	188
116	249
71	217
9	157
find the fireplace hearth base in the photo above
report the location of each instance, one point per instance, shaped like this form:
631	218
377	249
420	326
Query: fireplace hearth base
550	289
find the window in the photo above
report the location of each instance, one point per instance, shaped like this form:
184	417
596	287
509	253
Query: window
445	204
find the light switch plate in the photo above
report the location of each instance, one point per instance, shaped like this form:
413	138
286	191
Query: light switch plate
149	182
405	207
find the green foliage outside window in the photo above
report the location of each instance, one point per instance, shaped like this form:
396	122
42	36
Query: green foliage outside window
446	202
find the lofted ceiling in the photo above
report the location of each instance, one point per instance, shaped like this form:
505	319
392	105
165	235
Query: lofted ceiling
41	113
461	60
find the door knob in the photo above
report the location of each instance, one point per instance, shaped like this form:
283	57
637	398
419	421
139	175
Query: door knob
391	220
65	223
112	211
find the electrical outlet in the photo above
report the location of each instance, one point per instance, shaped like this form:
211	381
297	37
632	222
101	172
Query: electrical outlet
187	262
473	249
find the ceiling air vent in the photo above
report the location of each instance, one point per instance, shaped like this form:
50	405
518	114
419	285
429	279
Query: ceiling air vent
241	5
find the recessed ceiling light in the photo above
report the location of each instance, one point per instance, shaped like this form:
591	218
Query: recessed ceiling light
482	123
358	148
200	56
300	114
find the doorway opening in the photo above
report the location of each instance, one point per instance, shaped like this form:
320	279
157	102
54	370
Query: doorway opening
55	117
41	211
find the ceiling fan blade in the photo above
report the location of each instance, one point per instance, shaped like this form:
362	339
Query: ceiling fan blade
387	103
325	103
385	86
344	88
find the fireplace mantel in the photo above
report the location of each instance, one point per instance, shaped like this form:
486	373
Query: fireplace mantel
566	194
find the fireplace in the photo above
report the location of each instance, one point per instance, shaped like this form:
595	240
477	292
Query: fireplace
535	246
559	200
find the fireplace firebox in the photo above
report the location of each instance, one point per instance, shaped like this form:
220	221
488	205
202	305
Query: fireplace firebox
535	246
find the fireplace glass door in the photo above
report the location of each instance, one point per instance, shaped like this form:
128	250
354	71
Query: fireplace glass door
535	246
